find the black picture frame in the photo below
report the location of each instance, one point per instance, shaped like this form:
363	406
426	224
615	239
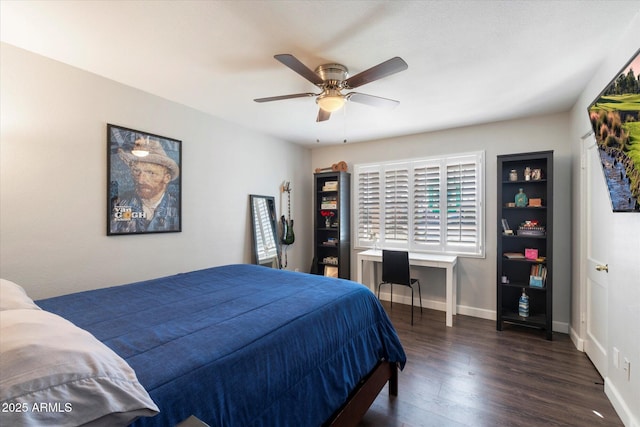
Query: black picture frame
144	192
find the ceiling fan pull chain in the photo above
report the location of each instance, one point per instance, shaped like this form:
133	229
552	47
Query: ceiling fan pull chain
344	141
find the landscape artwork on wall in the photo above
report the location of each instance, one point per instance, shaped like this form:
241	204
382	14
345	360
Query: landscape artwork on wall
615	118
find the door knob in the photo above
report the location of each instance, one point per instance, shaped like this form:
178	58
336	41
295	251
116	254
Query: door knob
603	267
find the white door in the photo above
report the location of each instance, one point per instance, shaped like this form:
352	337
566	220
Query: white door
598	216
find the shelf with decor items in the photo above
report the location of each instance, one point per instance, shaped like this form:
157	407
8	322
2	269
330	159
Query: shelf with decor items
332	247
524	278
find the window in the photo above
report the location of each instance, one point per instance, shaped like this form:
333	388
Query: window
432	204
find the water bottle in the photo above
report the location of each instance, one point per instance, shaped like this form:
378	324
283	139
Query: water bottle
523	305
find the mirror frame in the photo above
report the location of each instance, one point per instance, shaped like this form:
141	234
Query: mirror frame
259	231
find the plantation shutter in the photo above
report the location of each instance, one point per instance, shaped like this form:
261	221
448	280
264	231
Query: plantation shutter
432	204
368	194
427	222
462	203
396	205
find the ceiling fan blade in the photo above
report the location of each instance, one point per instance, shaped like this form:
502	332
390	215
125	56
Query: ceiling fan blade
384	69
278	98
374	101
297	66
323	115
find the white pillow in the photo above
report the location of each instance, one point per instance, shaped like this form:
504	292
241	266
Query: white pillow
13	296
54	373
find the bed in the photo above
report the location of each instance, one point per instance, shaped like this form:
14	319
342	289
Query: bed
243	345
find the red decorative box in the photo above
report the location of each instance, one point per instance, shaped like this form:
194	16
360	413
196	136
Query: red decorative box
531	253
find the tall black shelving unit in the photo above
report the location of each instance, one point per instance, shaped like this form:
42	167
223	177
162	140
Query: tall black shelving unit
531	228
332	246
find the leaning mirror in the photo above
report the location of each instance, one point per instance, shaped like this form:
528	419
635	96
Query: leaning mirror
263	219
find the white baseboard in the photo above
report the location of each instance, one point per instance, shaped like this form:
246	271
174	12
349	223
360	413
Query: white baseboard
476	312
406	299
562	327
465	310
575	338
621	407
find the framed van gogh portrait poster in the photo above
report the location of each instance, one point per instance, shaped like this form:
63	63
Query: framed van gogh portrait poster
143	182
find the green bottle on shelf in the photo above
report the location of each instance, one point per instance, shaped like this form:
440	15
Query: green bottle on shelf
521	199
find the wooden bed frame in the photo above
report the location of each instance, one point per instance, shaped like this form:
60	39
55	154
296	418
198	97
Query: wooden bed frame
350	414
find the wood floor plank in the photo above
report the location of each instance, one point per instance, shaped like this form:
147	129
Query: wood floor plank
474	375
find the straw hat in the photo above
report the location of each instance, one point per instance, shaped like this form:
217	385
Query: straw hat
156	155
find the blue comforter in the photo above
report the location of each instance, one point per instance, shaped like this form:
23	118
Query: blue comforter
240	345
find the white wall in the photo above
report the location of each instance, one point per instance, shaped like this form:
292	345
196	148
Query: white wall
53	181
623	329
477	277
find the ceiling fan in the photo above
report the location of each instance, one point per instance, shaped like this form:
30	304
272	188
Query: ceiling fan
333	78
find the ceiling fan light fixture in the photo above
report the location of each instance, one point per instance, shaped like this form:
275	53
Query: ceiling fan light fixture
331	101
333	78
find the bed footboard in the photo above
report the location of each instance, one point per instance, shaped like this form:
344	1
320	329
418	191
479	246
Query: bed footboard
350	414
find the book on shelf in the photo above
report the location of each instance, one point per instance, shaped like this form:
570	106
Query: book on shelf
329	202
538	276
531	228
331	241
514	255
531	232
330	186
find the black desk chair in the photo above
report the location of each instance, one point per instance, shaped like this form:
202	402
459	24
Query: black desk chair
395	270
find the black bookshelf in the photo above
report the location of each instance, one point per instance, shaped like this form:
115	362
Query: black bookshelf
531	231
332	247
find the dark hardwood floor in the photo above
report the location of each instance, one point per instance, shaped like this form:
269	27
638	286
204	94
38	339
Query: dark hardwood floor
473	375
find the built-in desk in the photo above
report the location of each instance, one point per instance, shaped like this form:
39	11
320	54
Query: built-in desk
448	262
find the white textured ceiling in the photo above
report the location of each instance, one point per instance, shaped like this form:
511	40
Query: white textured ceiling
470	62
